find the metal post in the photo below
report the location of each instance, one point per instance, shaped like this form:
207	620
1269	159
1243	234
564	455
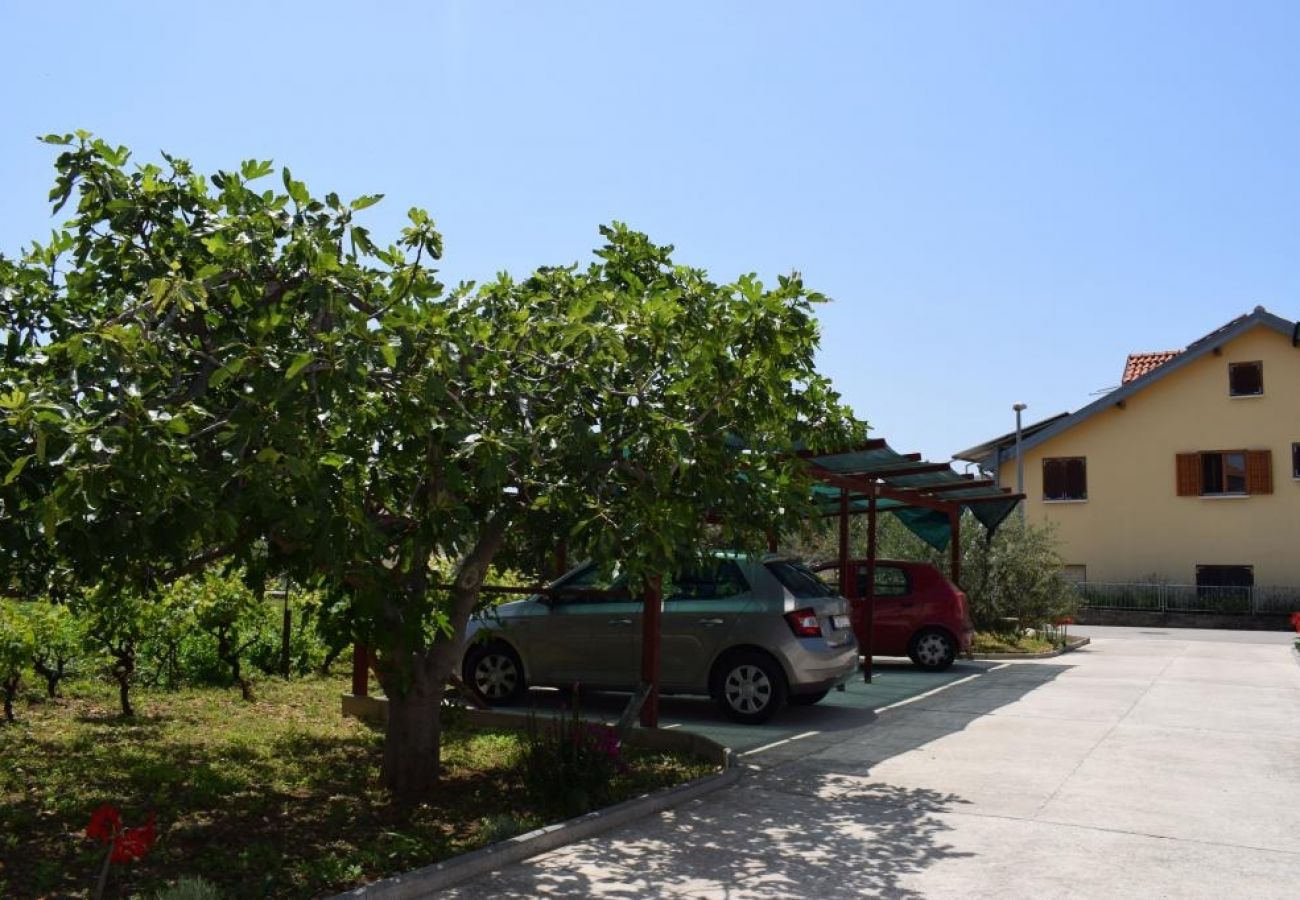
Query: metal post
652	613
286	627
870	599
1020	462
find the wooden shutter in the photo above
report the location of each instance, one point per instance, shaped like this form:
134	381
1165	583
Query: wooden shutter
1189	474
1259	471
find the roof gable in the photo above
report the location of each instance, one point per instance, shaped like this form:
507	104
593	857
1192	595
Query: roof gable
1194	351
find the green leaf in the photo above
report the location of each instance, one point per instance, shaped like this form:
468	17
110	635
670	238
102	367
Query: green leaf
366	200
337	460
252	169
17	468
390	354
300	362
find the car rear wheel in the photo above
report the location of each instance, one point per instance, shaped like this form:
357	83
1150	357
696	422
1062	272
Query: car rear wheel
749	686
933	650
495	674
807	699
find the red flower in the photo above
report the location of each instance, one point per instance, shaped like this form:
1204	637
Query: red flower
105	823
1063	620
1295	621
134	843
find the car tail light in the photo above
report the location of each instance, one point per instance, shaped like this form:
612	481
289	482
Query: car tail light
803	622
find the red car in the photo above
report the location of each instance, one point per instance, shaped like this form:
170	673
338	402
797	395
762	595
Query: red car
918	612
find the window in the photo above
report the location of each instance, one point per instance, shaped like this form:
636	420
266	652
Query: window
891	581
1245	379
1065	479
591	585
712	580
1225	583
1295	460
1225	473
800	580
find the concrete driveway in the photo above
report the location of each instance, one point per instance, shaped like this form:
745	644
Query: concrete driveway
1140	766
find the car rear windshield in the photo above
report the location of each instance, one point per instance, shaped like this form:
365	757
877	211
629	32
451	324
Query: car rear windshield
800	580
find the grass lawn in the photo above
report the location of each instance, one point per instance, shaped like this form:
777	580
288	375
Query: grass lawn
989	642
275	798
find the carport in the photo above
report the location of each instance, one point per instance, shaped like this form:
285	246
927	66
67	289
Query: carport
929	498
869	479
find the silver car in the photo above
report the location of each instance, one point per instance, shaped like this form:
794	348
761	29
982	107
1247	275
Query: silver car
751	633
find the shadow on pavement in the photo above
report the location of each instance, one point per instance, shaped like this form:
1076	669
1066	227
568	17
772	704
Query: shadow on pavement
812	821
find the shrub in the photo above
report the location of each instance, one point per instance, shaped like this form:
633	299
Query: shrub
58	641
569	765
15	654
117	623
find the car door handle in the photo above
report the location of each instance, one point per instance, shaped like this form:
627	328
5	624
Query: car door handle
620	621
712	622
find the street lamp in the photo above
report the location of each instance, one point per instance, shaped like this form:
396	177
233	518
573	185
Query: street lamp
1020	461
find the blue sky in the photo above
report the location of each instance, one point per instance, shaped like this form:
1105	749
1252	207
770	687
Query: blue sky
1003	199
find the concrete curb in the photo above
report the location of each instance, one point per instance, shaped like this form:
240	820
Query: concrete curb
1071	645
440	876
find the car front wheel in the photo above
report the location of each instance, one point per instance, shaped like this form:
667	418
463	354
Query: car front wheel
495	674
749	687
933	650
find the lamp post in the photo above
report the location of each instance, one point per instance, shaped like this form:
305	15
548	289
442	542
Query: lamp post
1020	461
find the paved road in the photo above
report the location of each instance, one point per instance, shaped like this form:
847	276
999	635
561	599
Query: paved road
1136	767
1215	635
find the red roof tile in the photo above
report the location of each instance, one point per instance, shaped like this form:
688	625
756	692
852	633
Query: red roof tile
1138	364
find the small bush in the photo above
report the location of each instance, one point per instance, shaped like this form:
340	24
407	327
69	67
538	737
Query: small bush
569	765
189	889
15	654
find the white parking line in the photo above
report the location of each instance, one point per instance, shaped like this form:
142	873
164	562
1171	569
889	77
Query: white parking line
931	693
797	737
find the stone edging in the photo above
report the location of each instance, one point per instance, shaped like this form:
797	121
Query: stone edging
440	876
1071	645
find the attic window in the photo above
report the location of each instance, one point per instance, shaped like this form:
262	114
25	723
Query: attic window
1245	379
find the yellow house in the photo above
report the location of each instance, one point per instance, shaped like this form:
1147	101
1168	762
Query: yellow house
1188	473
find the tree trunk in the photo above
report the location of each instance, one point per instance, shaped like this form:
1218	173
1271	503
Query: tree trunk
10	688
52	676
122	672
331	654
413	740
124	695
230	654
414	679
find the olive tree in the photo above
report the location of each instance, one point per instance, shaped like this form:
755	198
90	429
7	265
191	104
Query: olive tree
206	369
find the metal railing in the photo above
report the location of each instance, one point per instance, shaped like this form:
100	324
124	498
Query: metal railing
1151	597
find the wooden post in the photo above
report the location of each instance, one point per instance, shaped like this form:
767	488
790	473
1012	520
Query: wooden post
870	598
772	544
561	558
651	615
846	577
954	548
360	670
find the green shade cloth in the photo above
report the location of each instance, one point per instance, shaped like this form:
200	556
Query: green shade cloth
989	505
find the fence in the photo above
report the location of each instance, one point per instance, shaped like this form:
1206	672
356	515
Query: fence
1148	597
